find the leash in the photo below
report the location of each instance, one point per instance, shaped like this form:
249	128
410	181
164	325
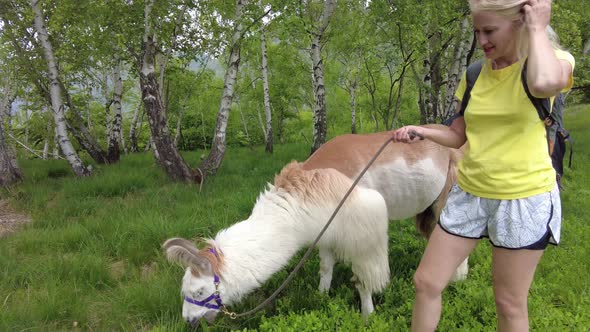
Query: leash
233	315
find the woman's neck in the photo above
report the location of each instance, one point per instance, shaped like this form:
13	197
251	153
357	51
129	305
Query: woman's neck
504	62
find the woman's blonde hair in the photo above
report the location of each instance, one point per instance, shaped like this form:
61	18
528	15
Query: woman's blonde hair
512	9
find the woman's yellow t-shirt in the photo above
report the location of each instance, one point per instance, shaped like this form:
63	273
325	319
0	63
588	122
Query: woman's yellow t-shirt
507	155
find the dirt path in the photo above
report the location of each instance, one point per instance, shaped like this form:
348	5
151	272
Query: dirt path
10	221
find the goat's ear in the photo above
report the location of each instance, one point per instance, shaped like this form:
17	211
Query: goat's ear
202	265
177	241
184	252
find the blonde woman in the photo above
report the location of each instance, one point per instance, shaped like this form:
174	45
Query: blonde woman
506	188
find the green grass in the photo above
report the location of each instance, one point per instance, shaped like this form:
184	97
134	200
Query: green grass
91	258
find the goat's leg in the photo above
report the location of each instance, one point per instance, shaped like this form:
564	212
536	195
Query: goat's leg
327	262
461	272
366	301
371	274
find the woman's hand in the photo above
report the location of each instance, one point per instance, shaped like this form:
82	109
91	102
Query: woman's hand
408	134
537	14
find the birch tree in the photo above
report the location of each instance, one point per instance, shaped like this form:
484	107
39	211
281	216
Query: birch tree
431	79
55	91
166	153
133	127
431	40
268	132
33	65
76	127
320	127
10	173
212	163
48	136
460	51
114	151
351	85
355	36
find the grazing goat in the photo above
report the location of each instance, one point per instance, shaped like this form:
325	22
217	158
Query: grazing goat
405	181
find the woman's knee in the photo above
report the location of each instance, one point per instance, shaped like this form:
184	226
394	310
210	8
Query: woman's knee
428	284
510	306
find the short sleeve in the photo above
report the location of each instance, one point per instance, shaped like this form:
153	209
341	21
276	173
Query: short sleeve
564	55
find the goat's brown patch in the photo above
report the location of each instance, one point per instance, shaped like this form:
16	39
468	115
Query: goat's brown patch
216	260
357	150
315	185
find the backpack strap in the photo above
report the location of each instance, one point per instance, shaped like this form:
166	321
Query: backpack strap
542	105
567	138
471	75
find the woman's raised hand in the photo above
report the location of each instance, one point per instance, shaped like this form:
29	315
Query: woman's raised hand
537	14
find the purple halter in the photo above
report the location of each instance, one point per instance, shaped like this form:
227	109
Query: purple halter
215	296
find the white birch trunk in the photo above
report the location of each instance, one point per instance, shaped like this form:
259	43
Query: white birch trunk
27	118
55	153
268	134
133	127
435	79
88	117
55	91
213	161
320	127
352	91
164	150
8	96
466	45
161	60
427	96
261	123
122	140
203	132
114	150
107	108
10	173
46	143
455	71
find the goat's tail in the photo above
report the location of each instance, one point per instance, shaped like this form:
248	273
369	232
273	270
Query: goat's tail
427	219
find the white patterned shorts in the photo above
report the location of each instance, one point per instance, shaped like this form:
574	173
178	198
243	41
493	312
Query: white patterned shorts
525	223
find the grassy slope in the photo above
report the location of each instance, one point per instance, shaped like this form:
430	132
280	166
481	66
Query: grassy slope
91	258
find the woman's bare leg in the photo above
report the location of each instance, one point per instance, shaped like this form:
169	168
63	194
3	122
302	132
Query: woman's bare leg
513	272
444	252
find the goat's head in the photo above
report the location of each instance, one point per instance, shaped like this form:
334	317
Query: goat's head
200	284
